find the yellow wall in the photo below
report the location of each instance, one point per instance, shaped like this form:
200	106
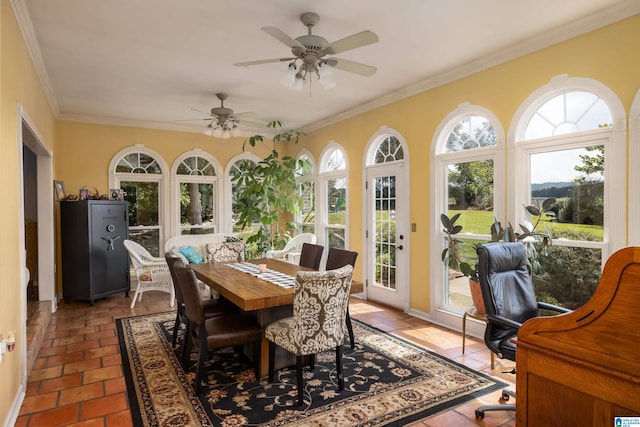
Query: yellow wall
82	152
609	55
18	83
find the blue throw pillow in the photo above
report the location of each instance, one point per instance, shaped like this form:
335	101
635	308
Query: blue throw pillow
192	255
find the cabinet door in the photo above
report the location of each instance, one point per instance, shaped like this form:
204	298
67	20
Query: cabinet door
109	259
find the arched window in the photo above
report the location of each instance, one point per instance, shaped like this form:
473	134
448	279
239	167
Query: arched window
467	158
566	148
305	219
243	162
140	172
333	182
388	150
196	193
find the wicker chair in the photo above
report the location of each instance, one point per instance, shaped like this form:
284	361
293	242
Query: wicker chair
291	251
152	272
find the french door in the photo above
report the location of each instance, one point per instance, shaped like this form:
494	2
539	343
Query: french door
387	235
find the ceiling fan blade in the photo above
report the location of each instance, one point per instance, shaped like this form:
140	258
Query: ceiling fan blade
252	124
354	41
262	61
246	114
352	67
206	113
277	34
192	120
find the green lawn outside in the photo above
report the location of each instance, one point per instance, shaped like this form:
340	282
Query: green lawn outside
479	222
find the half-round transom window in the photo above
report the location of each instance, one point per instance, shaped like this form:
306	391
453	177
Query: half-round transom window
471	132
196	166
335	161
389	150
568	113
138	163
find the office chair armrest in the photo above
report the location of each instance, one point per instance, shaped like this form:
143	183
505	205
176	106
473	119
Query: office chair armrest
503	321
551	307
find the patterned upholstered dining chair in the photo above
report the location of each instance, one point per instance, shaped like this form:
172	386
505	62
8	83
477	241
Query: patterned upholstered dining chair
319	308
225	252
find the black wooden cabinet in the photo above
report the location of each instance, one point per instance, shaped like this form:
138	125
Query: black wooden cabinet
95	263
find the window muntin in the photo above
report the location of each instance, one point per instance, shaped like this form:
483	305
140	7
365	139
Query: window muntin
305	218
333	180
471	132
140	176
236	169
469	193
385	235
570	112
197	184
138	163
335	161
572	169
389	150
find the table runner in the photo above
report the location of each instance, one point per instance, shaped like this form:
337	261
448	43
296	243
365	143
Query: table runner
275	277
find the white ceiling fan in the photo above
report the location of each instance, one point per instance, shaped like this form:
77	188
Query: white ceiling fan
223	123
309	52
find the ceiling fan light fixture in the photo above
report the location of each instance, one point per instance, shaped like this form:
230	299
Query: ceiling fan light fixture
298	84
325	76
289	76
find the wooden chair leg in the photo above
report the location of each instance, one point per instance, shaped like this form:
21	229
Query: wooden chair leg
339	368
350	329
202	356
312	362
187	344
176	326
272	360
299	361
257	356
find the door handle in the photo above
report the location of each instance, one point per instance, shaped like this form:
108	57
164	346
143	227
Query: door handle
399	247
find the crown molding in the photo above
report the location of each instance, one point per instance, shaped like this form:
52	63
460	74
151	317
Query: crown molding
21	13
576	28
145	124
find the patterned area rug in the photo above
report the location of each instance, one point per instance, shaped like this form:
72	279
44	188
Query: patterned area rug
388	382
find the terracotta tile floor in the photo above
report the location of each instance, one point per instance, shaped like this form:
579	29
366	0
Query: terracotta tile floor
77	378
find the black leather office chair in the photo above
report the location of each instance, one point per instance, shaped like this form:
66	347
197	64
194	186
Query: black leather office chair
510	300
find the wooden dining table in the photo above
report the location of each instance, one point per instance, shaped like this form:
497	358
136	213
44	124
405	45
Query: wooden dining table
267	301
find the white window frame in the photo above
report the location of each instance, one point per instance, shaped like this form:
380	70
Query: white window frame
440	312
634	171
163	189
321	193
199	179
312	177
228	205
613	138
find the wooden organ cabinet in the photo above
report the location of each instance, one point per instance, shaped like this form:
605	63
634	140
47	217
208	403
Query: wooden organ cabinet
95	263
583	368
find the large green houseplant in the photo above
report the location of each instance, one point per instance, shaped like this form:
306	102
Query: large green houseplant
266	194
453	257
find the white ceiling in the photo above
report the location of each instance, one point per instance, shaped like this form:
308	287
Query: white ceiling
150	62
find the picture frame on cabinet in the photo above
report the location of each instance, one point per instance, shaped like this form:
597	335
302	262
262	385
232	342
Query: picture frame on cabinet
58	189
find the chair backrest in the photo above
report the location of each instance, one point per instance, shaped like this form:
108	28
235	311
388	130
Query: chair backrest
507	291
172	262
311	255
337	258
296	242
188	283
138	254
319	308
225	252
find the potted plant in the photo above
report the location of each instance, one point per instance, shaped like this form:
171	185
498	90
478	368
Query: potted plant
452	255
267	193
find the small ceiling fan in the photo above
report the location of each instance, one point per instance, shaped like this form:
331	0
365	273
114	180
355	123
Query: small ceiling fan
309	51
223	123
